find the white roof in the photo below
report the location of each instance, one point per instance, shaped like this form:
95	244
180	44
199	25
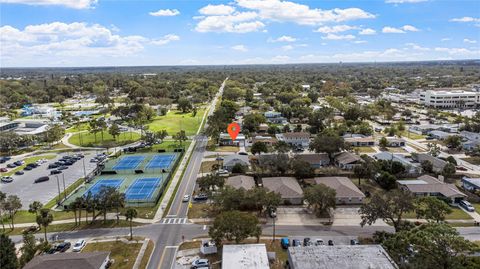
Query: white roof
249	256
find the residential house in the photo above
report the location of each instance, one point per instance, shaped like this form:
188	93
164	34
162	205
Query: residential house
262	128
70	260
287	187
275	117
429	186
411	167
471	184
365	141
226	140
270	141
439	135
245	256
346	191
340	256
230	161
438	164
471	140
346	160
295	139
244	110
316	160
237	182
395	142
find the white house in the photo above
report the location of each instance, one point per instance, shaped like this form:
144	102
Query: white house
297	139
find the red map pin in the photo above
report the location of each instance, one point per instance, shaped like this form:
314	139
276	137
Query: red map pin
233	130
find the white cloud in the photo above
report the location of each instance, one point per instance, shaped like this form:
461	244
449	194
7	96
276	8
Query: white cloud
404	1
417	47
77	4
359	41
335	29
338	37
280	59
445	39
77	41
462	52
286	11
367	31
466	40
238	22
287	47
283	38
165	39
165	13
241	48
465	19
217	10
401	30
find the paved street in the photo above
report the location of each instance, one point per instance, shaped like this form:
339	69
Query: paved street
27	191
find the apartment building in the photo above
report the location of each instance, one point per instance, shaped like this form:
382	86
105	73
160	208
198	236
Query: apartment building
450	99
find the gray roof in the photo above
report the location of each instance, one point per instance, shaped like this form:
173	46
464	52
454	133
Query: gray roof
287	187
472	181
347	158
387	156
343	186
340	256
314	158
235	158
245	256
238	182
438	164
71	260
296	135
429	184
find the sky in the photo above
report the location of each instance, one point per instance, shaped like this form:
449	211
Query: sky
63	33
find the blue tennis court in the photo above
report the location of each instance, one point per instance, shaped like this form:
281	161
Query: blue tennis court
128	162
161	161
95	189
142	189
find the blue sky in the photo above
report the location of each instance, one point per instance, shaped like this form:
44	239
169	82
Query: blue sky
107	33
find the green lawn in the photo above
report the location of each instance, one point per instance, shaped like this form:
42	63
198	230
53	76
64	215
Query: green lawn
457	214
23	216
411	135
77	128
364	149
175	121
27	161
124	254
477	207
87	139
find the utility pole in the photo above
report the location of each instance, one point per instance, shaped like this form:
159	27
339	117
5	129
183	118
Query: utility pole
58	185
64	190
274	228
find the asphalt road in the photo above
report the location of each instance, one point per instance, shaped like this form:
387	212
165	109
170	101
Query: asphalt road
27	191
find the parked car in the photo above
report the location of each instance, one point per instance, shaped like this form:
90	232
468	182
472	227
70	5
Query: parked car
186	198
200	197
466	205
28	168
3	169
354	242
79	245
64	246
31	229
330	243
54	172
19	173
42	179
307	242
242	153
63	167
52	250
18	163
11	165
319	242
33	165
7	179
200	263
222	172
285	243
52	165
296	243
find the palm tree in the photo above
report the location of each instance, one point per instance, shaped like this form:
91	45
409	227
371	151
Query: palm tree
34	207
118	201
130	215
92	127
80	203
44	219
3	196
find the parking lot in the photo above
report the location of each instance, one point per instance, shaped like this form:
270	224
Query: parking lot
24	187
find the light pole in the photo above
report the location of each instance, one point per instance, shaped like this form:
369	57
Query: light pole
64	190
58	185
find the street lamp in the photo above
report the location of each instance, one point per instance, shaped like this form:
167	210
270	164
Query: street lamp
58	185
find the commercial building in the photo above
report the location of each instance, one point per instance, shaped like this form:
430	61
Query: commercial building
340	256
247	256
450	99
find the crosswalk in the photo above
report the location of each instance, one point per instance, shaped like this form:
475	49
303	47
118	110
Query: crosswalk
174	221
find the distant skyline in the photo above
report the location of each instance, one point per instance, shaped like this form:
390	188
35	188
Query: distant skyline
59	33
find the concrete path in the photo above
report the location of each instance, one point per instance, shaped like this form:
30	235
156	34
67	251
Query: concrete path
141	253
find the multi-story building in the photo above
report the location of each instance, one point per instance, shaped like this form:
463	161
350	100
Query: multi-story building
450	99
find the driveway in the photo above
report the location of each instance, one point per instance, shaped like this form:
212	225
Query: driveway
349	216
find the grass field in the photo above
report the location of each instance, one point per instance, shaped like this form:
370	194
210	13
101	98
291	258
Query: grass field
200	210
457	214
175	121
123	254
207	166
477	207
472	160
27	161
364	149
87	139
411	135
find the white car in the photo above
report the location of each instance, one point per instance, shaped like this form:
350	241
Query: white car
200	263
7	179
79	245
186	198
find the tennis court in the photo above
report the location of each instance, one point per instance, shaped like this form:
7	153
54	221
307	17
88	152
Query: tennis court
95	189
129	162
142	189
161	161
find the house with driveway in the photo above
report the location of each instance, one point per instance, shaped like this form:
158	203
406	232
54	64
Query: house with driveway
438	164
287	187
241	181
429	186
411	167
346	191
295	139
316	160
347	160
